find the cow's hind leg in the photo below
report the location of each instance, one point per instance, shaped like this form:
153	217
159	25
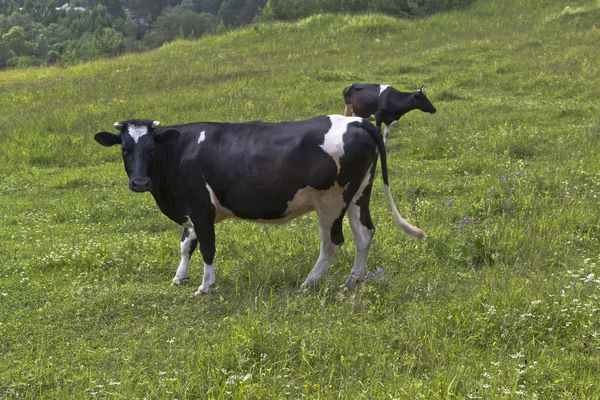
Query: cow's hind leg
332	239
189	241
363	230
362	226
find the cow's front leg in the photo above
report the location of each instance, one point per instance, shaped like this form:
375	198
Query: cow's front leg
386	132
188	244
208	279
206	237
348	110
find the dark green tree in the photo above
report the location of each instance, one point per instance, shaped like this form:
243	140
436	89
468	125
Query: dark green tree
148	9
239	12
108	43
114	7
5	54
16	41
50	14
181	22
28	7
7	7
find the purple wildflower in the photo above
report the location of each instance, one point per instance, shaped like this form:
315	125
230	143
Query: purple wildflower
502	177
466	220
380	271
460	227
449	203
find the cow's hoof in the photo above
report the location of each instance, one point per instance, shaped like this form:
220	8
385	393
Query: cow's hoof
350	283
306	287
202	291
182	281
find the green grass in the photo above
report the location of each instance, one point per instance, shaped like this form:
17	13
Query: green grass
505	305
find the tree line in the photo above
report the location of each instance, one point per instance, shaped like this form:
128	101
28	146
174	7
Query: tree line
46	32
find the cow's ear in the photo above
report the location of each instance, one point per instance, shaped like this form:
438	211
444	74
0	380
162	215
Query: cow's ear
107	139
167	137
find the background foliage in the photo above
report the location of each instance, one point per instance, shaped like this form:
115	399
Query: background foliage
501	300
49	32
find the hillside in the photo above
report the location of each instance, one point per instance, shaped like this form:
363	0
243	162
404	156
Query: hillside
500	301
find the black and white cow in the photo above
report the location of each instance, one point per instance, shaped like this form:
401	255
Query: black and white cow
203	173
383	103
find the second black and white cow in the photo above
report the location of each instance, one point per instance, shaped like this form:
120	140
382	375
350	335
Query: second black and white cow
383	103
203	173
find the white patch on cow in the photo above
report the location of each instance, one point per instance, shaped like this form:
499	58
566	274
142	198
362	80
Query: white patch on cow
202	137
221	212
334	138
136	132
183	271
382	88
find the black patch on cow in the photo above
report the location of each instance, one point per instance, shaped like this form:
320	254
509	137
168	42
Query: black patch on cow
364	201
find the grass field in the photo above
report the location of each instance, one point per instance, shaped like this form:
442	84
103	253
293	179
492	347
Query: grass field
501	301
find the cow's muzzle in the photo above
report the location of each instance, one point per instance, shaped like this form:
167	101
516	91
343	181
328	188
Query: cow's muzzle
140	185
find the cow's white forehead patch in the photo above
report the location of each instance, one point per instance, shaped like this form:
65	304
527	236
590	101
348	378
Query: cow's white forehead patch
334	143
382	88
202	137
136	132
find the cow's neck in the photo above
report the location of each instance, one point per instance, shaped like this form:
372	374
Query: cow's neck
406	105
162	178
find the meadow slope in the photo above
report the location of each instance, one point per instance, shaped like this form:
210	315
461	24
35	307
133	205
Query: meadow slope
502	299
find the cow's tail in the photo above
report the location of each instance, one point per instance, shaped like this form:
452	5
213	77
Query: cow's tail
400	222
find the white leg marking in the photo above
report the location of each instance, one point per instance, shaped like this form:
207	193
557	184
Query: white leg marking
327	252
363	237
386	132
208	279
183	271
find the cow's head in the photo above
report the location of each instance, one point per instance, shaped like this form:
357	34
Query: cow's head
138	140
422	102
